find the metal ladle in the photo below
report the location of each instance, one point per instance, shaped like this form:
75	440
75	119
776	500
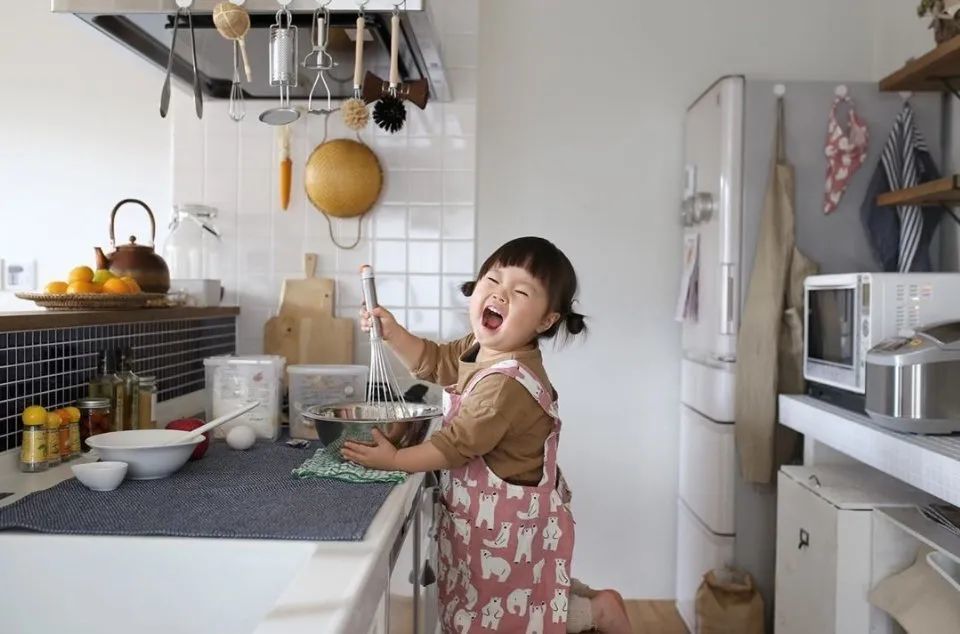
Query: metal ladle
283	69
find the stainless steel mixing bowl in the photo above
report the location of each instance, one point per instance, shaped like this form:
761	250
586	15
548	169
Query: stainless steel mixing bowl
404	425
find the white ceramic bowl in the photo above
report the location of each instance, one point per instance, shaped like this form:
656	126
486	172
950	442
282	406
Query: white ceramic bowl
100	476
145	451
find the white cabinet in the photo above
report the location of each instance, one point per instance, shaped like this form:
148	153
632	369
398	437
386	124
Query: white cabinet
411	600
825	545
698	551
707	468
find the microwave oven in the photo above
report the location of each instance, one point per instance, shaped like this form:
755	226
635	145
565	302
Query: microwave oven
845	315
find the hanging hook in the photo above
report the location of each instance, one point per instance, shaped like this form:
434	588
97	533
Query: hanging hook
841	91
779	90
906	95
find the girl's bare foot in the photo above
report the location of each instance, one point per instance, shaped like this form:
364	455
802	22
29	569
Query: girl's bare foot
609	613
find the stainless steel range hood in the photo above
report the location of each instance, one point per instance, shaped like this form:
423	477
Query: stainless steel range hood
146	26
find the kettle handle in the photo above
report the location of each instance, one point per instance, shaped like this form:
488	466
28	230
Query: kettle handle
113	217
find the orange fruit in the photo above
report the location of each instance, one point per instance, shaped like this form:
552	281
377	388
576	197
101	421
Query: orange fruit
73	413
116	286
82	288
132	283
56	288
81	274
34	415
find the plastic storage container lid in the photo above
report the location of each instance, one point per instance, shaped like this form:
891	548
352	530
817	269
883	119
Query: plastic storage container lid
328	369
266	359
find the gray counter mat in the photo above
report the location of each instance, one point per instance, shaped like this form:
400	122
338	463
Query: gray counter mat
232	494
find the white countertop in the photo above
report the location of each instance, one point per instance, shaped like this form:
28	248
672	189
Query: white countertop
929	463
160	584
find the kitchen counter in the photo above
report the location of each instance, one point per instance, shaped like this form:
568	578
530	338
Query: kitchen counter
161	584
929	463
41	319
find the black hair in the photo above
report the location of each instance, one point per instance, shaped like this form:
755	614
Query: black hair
548	264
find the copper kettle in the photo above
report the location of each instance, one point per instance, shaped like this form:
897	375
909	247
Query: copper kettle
137	261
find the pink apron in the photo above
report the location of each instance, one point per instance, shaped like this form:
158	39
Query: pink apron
505	550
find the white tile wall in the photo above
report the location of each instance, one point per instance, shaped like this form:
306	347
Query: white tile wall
419	237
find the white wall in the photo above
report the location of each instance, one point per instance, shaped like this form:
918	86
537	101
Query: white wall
419	237
79	130
580	111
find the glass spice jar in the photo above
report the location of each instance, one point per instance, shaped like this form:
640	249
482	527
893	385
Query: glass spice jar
147	402
65	451
94	417
33	449
53	439
73	426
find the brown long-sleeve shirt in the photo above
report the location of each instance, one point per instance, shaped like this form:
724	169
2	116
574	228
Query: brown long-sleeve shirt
499	420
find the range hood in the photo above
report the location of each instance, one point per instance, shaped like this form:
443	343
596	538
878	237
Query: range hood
146	26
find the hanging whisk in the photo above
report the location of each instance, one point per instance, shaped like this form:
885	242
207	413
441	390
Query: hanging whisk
383	390
237	110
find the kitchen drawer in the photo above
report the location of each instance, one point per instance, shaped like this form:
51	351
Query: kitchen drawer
707	469
698	552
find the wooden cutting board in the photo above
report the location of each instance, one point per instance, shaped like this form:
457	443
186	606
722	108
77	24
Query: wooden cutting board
309	296
305	330
319	339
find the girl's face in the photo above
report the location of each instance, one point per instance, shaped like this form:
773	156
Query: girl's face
508	309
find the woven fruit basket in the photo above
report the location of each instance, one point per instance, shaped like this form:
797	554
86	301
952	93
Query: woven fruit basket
99	301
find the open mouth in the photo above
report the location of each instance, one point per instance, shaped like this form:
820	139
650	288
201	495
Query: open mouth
492	319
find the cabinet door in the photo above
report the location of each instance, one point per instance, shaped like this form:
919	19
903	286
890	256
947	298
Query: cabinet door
427	607
806	585
403	592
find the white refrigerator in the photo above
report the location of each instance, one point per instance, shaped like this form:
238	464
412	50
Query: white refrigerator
728	145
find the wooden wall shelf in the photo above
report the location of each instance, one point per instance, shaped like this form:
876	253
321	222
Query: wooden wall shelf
927	73
944	191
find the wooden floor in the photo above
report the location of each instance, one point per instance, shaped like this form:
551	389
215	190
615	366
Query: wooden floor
655	617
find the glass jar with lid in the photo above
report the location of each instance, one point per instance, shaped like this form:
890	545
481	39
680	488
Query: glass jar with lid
192	248
94	416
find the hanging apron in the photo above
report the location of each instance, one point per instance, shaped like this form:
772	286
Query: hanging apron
505	550
770	343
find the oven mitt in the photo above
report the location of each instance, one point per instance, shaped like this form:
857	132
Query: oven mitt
919	598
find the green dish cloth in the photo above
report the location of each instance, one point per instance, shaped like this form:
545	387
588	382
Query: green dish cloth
327	463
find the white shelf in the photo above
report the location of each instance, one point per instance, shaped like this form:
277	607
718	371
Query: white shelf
929	463
924	530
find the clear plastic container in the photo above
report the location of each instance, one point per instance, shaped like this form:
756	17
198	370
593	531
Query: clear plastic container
235	381
322	385
192	248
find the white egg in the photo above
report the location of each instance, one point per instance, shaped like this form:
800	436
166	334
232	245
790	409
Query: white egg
241	437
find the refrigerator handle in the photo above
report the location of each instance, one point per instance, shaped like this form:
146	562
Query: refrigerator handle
728	299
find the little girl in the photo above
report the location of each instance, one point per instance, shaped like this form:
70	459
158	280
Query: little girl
506	530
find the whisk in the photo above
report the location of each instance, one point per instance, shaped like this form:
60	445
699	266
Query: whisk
383	390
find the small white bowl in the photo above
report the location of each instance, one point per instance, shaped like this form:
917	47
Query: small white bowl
100	476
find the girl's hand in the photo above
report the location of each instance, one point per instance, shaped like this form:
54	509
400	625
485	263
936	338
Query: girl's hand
388	322
383	455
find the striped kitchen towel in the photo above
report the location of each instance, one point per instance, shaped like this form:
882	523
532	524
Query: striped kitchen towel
902	169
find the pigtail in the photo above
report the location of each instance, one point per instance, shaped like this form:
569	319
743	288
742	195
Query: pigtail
467	288
575	323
